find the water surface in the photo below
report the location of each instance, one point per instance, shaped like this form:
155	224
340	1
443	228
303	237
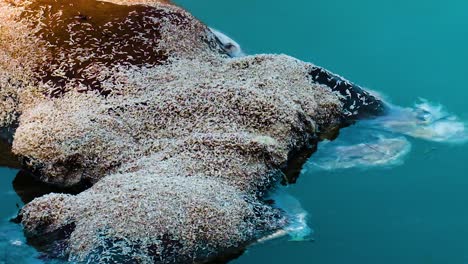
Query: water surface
412	213
13	247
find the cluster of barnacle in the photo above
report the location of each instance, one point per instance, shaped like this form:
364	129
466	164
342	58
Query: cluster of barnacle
86	39
179	153
178	149
200	214
17	57
357	103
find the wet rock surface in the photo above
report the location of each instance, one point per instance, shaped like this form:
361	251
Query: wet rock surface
178	141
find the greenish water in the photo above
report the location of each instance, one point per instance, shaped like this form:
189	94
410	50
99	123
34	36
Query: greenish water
13	247
416	212
413	213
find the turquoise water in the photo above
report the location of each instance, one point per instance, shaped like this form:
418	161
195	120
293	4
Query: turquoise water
13	247
413	211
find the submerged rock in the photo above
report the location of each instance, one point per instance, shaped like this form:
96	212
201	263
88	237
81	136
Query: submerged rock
179	140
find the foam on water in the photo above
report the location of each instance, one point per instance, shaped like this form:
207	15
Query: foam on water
297	228
425	120
13	246
382	141
230	46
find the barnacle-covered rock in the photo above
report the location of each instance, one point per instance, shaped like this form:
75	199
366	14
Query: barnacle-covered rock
52	47
144	103
243	118
172	219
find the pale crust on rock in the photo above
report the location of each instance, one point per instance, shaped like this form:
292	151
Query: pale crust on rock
139	2
180	140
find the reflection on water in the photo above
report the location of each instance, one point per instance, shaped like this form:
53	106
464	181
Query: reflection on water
369	151
17	188
27	187
13	247
382	141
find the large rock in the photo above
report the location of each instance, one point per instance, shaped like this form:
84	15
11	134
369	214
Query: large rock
179	140
142	216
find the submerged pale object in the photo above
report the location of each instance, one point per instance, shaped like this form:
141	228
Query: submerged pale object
383	151
425	120
382	141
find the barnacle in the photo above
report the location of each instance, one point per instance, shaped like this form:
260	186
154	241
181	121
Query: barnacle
179	140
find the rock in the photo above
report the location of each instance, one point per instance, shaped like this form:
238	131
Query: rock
7	160
153	219
178	140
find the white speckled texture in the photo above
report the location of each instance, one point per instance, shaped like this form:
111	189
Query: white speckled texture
180	147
